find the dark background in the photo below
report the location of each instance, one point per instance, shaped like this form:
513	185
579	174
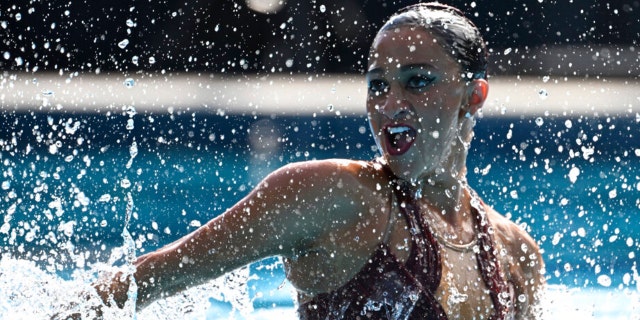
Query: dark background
226	36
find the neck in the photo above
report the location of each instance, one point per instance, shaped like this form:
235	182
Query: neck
444	193
444	187
446	202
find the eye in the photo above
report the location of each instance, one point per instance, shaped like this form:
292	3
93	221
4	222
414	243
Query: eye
378	86
419	81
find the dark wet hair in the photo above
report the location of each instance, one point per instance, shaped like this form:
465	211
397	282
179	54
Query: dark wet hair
460	36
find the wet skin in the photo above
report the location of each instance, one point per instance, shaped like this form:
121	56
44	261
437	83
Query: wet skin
326	218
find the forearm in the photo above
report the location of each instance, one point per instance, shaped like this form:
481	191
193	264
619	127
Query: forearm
158	274
176	267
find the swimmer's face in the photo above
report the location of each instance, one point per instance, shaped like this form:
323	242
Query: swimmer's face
415	94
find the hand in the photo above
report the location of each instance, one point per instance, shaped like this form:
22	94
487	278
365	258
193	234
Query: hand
110	291
114	290
86	307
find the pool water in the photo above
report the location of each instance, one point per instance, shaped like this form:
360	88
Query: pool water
572	182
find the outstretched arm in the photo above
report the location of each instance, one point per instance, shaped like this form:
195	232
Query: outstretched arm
280	216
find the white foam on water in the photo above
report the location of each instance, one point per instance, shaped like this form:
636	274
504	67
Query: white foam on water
27	292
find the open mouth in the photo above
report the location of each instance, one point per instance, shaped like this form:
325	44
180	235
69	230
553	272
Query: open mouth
399	138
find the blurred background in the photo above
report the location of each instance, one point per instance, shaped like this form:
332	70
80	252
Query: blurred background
317	37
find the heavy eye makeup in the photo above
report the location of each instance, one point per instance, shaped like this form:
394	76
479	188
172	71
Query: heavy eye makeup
411	77
416	78
378	86
419	82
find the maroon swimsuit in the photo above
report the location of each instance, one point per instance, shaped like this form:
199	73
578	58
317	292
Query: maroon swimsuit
385	288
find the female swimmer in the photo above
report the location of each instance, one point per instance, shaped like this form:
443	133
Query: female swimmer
400	237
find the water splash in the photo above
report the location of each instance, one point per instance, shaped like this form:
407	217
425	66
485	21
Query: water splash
133	152
129	248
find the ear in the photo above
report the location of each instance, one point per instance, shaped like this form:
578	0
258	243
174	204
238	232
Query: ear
476	95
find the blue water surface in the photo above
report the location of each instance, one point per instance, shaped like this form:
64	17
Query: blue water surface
572	182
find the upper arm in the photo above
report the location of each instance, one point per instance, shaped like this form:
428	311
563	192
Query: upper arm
291	206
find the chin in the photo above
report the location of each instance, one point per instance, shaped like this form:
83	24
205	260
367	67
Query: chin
409	171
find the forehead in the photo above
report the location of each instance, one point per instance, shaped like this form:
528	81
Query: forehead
409	45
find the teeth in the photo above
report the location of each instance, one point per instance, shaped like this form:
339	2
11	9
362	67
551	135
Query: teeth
394	130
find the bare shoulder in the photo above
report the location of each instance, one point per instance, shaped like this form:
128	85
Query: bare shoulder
338	173
328	190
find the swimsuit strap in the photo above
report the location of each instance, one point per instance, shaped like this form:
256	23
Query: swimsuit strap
424	260
424	263
488	261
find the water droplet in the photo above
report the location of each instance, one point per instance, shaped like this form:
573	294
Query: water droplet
129	82
7	55
456	297
130	124
330	107
447	192
582	232
568	124
323	8
545	79
507	51
134	60
123	44
604	280
573	174
613	194
131	111
125	183
539	121
152	60
130	23
543	94
18	16
6	185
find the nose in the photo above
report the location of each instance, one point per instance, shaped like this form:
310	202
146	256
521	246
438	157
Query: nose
395	105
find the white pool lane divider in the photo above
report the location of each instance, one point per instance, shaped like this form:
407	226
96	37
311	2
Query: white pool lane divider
280	94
